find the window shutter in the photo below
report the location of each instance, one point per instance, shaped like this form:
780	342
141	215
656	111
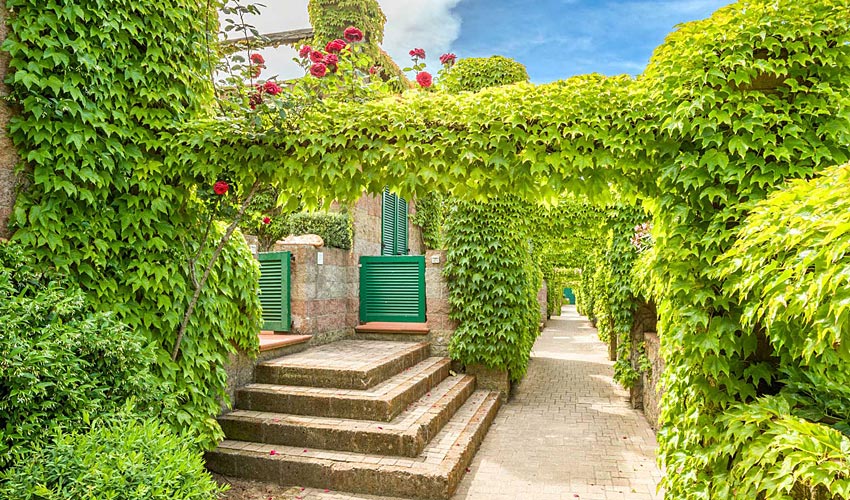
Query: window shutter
401	227
387	223
274	290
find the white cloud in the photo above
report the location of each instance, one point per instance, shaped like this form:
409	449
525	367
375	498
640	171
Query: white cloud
429	24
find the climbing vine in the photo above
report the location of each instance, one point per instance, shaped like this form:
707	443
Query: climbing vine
728	109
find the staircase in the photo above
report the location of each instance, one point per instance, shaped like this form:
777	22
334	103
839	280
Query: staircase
362	416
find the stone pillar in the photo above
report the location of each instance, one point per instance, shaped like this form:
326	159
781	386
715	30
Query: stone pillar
644	394
8	155
437	303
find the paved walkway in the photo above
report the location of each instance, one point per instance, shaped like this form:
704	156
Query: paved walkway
568	431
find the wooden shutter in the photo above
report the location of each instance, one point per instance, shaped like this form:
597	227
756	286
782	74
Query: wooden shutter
401	227
392	289
388	208
393	224
275	291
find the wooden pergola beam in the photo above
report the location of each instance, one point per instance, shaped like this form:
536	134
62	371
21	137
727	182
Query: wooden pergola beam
268	40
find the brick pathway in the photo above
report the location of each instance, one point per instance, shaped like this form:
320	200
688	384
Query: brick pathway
567	433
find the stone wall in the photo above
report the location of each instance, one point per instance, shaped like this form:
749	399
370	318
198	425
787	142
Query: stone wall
325	297
8	155
646	393
367	227
437	303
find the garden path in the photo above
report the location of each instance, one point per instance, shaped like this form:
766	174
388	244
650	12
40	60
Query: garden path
567	433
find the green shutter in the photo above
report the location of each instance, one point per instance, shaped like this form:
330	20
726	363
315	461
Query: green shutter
392	289
387	223
401	227
275	291
393	224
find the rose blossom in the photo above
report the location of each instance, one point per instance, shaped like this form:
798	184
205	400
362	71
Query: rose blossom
418	53
220	188
448	59
331	60
305	51
318	70
335	46
316	56
353	34
424	79
257	59
374	70
267	220
272	88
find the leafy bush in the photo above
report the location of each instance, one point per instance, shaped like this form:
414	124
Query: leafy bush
335	229
128	459
61	363
476	73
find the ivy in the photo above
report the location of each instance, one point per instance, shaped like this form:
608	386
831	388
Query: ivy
99	85
493	285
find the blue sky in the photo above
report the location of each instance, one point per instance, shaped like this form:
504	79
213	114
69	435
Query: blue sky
555	39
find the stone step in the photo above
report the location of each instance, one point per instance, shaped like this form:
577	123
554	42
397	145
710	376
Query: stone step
382	402
434	474
392	332
406	435
348	364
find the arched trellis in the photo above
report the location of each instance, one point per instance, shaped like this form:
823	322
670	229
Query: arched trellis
728	109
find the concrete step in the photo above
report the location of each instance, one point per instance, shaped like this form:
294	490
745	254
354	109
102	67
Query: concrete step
406	435
348	364
392	332
434	474
382	402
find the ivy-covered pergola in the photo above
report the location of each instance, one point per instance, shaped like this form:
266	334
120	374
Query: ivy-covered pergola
122	139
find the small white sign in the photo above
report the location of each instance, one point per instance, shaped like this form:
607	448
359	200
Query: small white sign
435	259
321	257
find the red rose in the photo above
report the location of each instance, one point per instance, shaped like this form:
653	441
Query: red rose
272	88
267	220
318	70
335	46
331	60
255	100
220	188
374	70
353	34
316	56
418	53
424	79
257	59
305	51
448	59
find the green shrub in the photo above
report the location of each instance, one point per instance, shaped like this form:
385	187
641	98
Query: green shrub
477	73
128	459
335	229
61	364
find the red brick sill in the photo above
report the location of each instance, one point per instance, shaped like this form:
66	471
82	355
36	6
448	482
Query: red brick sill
269	340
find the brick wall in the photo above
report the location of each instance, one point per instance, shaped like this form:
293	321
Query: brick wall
8	155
